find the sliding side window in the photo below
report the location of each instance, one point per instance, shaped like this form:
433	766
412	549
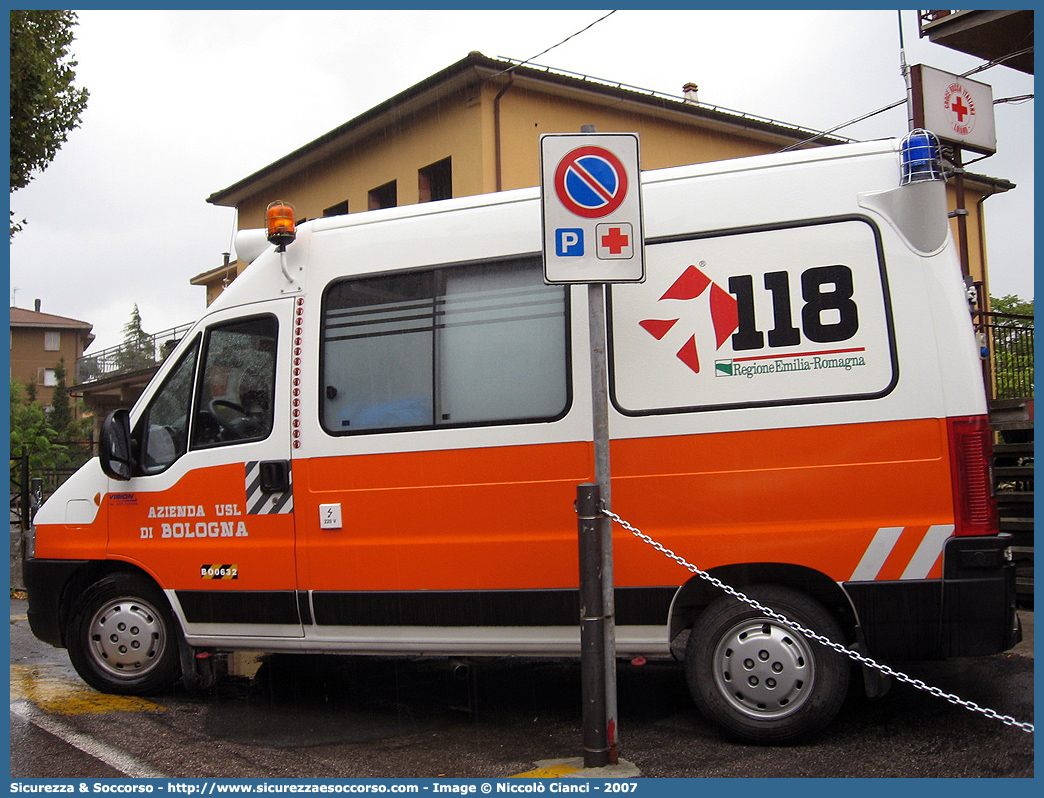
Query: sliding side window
463	345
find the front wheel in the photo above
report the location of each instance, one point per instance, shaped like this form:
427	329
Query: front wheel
121	637
762	680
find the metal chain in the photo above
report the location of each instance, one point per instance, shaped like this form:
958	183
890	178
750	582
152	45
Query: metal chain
838	647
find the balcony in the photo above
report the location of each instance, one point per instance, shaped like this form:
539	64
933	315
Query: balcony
990	35
116	377
145	354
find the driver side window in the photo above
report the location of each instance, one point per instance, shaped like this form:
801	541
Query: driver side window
235	395
229	398
164	427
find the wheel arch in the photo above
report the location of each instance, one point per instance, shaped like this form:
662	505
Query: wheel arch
90	573
696	594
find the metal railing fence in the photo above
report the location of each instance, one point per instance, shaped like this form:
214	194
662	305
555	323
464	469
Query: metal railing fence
1009	339
147	352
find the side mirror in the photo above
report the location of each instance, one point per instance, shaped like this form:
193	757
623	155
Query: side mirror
114	446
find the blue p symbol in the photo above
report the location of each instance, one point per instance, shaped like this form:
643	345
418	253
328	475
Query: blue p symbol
569	242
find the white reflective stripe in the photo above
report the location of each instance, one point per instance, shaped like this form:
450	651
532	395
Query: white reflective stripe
876	553
928	552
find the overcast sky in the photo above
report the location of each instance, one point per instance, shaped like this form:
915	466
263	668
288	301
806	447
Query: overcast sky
184	103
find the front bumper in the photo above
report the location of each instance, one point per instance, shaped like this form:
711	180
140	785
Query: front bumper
45	585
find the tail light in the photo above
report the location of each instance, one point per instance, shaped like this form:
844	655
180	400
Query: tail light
971	468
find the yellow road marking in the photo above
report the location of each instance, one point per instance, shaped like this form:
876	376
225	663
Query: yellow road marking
550	772
62	697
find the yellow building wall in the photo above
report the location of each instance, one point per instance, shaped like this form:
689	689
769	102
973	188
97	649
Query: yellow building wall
29	356
526	115
450	130
466	132
470	126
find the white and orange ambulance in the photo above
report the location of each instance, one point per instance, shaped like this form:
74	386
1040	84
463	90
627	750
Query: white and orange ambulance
371	444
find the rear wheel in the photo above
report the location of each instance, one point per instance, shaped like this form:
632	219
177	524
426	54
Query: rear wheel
121	637
762	680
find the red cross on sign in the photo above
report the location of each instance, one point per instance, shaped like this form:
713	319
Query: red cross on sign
614	240
960	108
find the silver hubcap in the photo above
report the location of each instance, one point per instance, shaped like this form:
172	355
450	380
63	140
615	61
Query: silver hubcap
764	669
127	637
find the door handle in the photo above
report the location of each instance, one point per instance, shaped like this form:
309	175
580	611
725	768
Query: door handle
275	476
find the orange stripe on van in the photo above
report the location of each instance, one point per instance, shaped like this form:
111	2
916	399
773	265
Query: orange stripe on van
502	517
478	519
813	496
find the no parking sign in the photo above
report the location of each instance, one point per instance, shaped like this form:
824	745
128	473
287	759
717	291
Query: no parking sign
592	208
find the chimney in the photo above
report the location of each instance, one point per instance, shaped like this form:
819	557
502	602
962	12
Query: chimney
37	304
689	90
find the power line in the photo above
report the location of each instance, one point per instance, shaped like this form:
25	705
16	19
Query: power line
980	68
553	46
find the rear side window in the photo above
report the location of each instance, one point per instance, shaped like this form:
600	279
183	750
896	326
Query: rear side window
464	345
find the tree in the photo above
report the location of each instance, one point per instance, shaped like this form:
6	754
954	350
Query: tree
60	416
1012	331
1010	303
30	431
45	103
138	349
72	434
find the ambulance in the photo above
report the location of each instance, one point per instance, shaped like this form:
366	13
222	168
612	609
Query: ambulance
371	443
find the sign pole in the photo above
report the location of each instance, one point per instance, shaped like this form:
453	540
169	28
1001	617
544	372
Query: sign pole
593	234
600	424
592	626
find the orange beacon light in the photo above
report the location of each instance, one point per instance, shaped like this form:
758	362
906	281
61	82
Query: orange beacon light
279	223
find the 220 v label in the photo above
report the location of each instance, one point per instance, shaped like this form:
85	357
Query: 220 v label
219	571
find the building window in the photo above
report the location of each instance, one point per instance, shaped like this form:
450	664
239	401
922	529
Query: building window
471	345
384	196
52	340
340	209
435	182
46	378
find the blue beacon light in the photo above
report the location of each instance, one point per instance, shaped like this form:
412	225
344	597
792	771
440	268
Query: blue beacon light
921	159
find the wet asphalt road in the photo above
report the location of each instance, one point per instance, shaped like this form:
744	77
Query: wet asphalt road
354	717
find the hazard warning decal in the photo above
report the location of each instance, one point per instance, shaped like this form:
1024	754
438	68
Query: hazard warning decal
773	316
262	502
